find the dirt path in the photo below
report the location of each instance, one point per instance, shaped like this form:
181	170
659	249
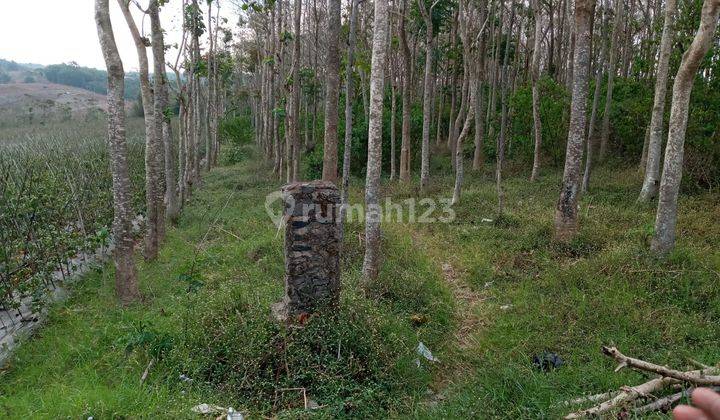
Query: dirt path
467	300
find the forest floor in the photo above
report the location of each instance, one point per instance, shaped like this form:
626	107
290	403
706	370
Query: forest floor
484	293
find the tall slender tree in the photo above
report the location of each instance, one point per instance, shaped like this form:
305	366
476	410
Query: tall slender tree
652	170
371	262
535	70
427	92
612	70
292	136
566	212
332	97
163	112
405	92
349	97
664	239
154	159
126	282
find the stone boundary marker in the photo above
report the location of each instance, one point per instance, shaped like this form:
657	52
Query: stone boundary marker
312	248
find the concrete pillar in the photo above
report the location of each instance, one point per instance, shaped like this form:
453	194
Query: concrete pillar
312	248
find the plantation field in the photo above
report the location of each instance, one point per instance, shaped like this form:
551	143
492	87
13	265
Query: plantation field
55	199
484	293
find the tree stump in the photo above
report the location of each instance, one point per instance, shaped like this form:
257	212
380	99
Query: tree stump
312	249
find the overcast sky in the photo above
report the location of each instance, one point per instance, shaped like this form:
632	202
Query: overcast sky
59	31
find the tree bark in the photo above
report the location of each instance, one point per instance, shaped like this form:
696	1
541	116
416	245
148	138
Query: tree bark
332	97
163	113
500	158
371	262
126	283
154	159
406	86
652	170
427	94
590	141
292	136
537	124
349	96
566	213
666	219
605	134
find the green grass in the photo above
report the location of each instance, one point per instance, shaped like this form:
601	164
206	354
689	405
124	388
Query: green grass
206	312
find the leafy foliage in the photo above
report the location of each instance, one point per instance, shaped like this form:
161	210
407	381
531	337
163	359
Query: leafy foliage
54	201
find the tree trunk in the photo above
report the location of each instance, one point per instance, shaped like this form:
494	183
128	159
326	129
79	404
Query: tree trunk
163	113
332	97
666	219
590	142
154	159
500	158
292	136
652	170
371	262
566	213
349	96
126	284
393	113
459	170
537	127
407	70
605	134
427	95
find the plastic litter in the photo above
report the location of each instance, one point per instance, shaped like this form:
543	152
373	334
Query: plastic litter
425	352
211	409
208	409
547	361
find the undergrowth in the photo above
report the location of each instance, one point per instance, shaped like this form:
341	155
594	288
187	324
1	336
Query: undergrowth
205	322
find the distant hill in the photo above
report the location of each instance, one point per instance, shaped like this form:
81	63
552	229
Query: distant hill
69	74
45	101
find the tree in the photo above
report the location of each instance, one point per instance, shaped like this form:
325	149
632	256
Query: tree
332	96
566	212
666	219
162	111
126	283
612	69
292	135
504	86
537	124
427	93
349	96
405	91
590	141
371	262
154	159
652	170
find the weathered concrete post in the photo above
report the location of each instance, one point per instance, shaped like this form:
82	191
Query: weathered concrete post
312	248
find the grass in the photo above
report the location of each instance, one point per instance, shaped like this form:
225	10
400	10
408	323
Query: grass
206	312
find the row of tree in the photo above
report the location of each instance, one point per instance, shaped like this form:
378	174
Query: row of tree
465	59
173	164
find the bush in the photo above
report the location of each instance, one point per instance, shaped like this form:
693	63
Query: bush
554	105
236	132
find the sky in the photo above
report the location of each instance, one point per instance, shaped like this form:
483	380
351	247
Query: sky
59	31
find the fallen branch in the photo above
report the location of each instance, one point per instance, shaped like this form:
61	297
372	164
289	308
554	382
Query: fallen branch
694	377
590	398
626	395
664	404
147	371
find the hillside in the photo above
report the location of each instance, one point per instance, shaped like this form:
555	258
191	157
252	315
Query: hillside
68	74
31	101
